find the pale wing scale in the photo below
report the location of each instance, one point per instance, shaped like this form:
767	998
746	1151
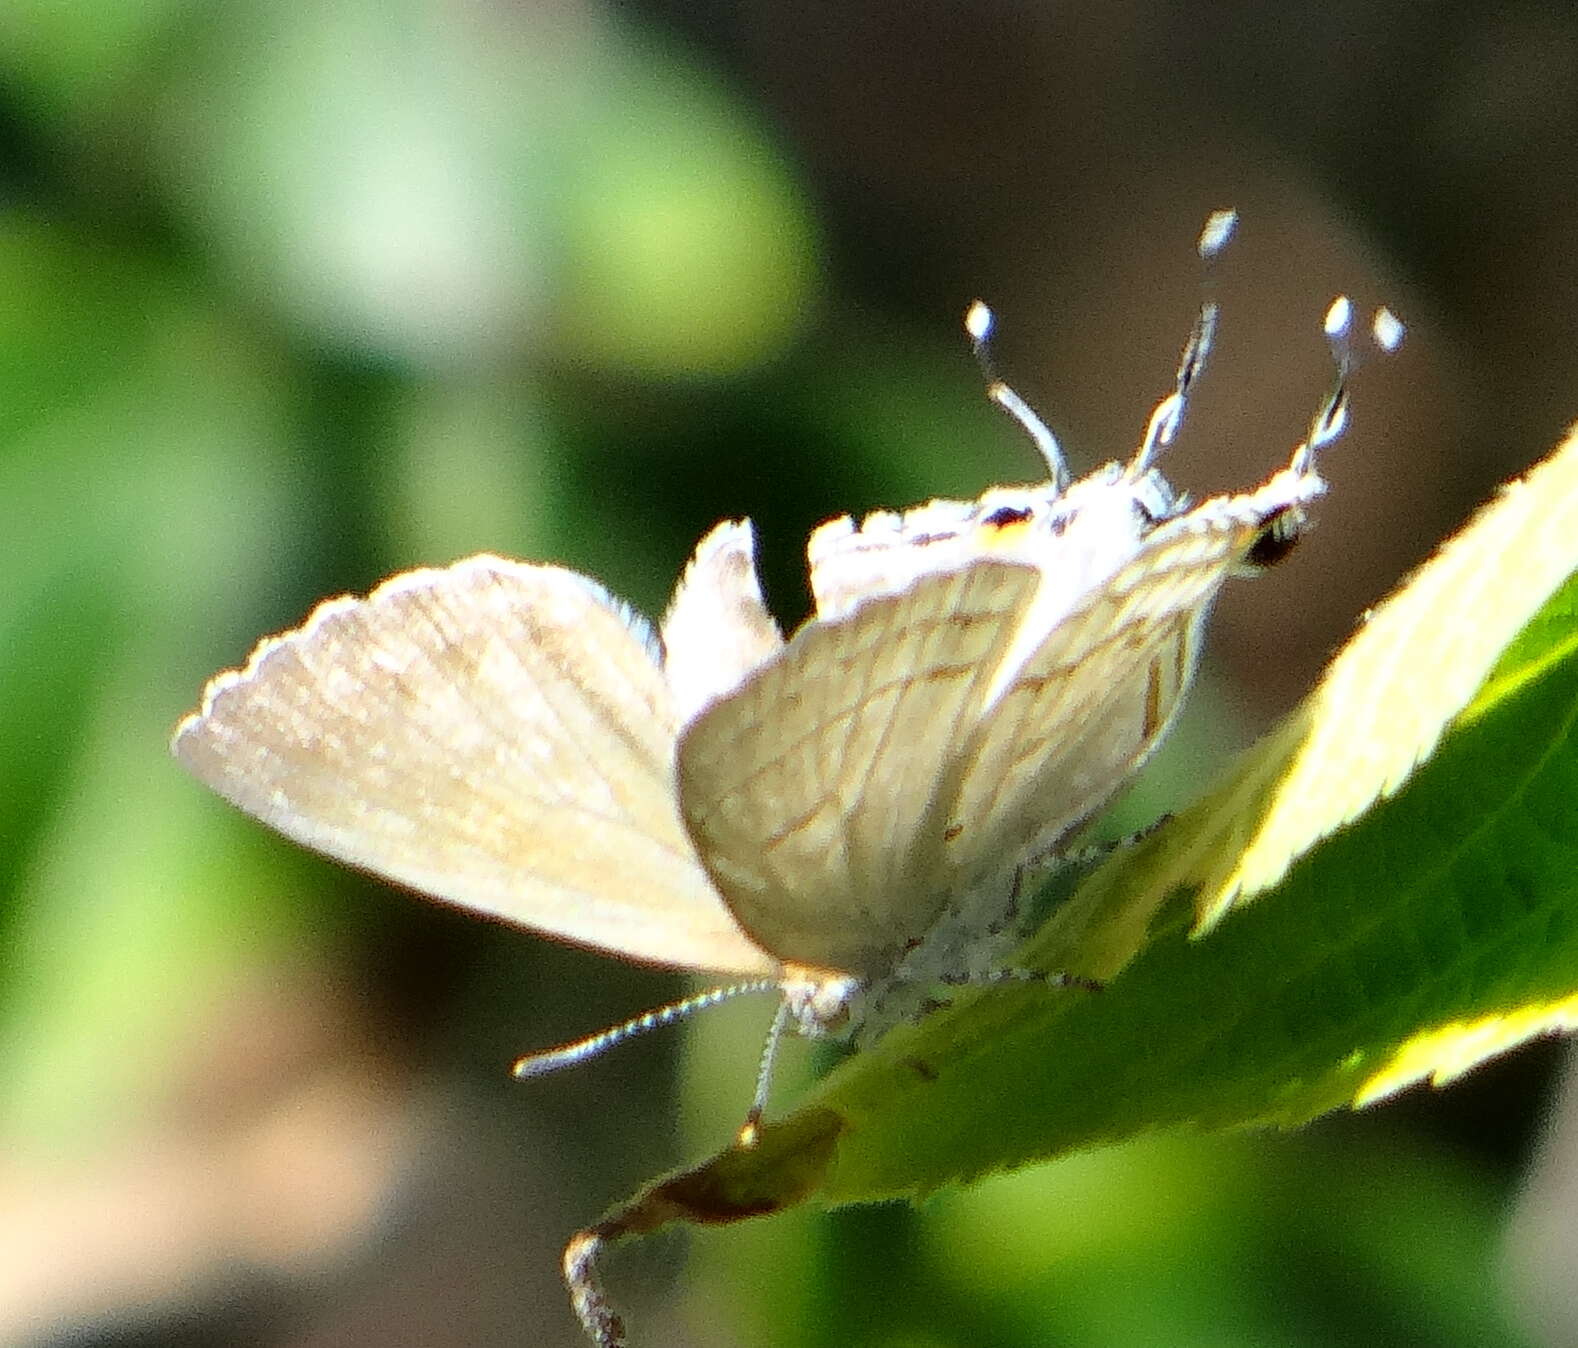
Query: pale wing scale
717	629
817	794
493	734
887	551
1096	694
1030	788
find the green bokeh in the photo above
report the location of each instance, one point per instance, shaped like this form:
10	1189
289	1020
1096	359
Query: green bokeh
296	295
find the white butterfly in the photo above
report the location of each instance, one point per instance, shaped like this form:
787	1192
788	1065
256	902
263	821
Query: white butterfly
841	815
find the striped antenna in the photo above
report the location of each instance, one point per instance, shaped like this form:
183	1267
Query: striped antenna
1331	417
1169	413
978	323
578	1051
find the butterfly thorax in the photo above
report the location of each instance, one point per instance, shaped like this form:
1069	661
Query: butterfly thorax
1078	535
972	936
821	1002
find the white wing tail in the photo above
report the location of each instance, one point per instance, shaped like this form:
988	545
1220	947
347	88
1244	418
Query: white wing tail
717	630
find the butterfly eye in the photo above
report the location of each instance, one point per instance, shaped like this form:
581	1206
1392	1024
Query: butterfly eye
1279	532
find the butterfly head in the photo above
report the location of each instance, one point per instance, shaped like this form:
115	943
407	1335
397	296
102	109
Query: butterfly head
1134	497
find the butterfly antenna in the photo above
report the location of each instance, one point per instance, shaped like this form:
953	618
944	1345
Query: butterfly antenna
578	1051
1169	413
750	1130
1331	417
978	322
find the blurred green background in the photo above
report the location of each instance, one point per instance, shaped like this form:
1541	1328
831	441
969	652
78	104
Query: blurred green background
293	295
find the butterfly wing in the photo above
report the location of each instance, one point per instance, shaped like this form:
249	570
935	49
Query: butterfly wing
717	630
493	734
817	793
1097	688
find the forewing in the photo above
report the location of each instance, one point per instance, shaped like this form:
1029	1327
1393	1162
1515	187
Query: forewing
817	795
493	734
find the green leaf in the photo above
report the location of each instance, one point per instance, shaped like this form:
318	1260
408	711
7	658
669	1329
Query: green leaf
1385	890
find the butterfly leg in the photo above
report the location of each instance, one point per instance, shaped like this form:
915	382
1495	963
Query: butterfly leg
600	1321
997	978
751	1128
1043	865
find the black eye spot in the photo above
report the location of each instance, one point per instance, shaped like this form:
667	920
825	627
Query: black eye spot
1004	516
1279	533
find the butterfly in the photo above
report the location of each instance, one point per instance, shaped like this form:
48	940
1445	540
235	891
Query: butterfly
841	814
